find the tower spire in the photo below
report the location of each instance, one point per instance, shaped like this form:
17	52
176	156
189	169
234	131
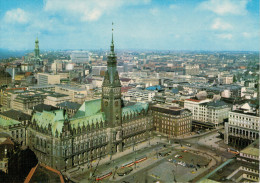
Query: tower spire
112	42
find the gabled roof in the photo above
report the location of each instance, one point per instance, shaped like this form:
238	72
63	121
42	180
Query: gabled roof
87	120
7	141
135	109
54	118
89	108
42	173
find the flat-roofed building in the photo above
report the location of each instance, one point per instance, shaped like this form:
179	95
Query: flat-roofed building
140	95
48	79
208	111
70	90
24	102
56	98
172	121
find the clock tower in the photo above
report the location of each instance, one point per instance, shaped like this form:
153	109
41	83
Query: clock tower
111	103
111	91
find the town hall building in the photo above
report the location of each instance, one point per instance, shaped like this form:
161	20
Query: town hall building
100	127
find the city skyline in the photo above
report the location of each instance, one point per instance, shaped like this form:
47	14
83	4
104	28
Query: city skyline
148	24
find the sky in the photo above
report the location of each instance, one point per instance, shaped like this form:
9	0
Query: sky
210	25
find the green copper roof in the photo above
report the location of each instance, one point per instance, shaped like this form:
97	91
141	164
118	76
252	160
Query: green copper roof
89	113
8	122
55	118
135	109
89	108
91	120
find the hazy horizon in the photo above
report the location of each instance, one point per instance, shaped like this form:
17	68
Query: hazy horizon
210	25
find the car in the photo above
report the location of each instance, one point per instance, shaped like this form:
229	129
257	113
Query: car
177	155
170	159
180	157
185	150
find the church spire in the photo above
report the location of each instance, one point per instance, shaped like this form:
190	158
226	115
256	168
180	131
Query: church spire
36	49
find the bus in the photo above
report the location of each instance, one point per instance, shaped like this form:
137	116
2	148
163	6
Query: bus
234	151
140	159
104	175
128	164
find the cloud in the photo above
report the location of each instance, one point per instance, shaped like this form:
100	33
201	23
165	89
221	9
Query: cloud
87	10
16	16
223	7
225	36
173	6
154	11
246	34
218	24
251	34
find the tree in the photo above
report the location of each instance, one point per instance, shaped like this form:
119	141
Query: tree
20	164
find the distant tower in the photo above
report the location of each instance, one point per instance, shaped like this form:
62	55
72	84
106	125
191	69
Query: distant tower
36	49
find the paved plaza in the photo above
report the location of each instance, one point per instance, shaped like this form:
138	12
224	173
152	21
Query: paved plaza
189	159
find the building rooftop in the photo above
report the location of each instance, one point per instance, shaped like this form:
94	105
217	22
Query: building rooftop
70	87
16	115
194	100
44	173
5	122
44	107
69	105
58	95
246	112
252	149
170	109
217	103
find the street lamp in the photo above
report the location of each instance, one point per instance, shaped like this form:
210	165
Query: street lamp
116	167
134	146
174	179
